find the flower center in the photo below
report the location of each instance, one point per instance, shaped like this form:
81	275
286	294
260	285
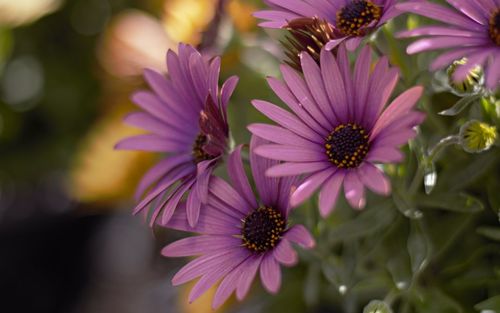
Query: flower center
356	15
199	153
495	27
262	229
347	145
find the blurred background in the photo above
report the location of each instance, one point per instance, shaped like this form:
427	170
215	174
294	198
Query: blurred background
68	242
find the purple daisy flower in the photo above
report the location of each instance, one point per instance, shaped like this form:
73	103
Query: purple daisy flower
186	117
238	234
339	128
472	32
351	19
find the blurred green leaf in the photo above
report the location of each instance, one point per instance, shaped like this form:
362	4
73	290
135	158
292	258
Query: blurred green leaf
430	177
452	202
492	303
490	232
418	248
312	285
461	105
405	204
434	300
368	222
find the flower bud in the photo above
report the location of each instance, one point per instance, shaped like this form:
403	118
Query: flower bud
471	84
476	137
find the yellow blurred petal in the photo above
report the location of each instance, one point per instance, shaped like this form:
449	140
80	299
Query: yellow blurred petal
101	174
18	12
202	305
134	41
185	20
241	15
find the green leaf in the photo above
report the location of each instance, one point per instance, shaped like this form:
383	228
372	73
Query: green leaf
312	285
434	300
490	232
418	248
460	202
461	105
377	306
492	303
405	204
365	224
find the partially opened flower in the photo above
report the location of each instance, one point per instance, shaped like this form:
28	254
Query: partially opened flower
472	31
351	19
338	128
186	116
239	233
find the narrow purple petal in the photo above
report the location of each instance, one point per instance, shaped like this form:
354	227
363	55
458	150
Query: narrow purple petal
374	179
291	169
300	235
354	190
270	274
285	254
329	193
248	276
199	245
152	143
291	153
239	178
309	186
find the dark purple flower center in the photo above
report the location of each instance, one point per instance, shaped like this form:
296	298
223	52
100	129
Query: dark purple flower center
356	15
199	153
262	229
495	27
347	145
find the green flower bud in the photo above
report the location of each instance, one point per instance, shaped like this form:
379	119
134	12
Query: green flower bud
377	306
471	84
476	136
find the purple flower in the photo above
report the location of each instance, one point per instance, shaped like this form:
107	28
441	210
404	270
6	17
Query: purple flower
351	19
339	127
472	32
238	234
186	117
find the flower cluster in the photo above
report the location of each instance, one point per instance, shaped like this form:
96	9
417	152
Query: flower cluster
341	125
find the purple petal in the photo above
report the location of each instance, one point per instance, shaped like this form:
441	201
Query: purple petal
439	13
291	169
247	277
267	187
354	190
374	179
239	178
309	186
230	282
160	170
270	274
285	119
300	235
401	105
204	264
211	277
291	153
277	134
334	85
285	254
385	155
329	193
199	245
